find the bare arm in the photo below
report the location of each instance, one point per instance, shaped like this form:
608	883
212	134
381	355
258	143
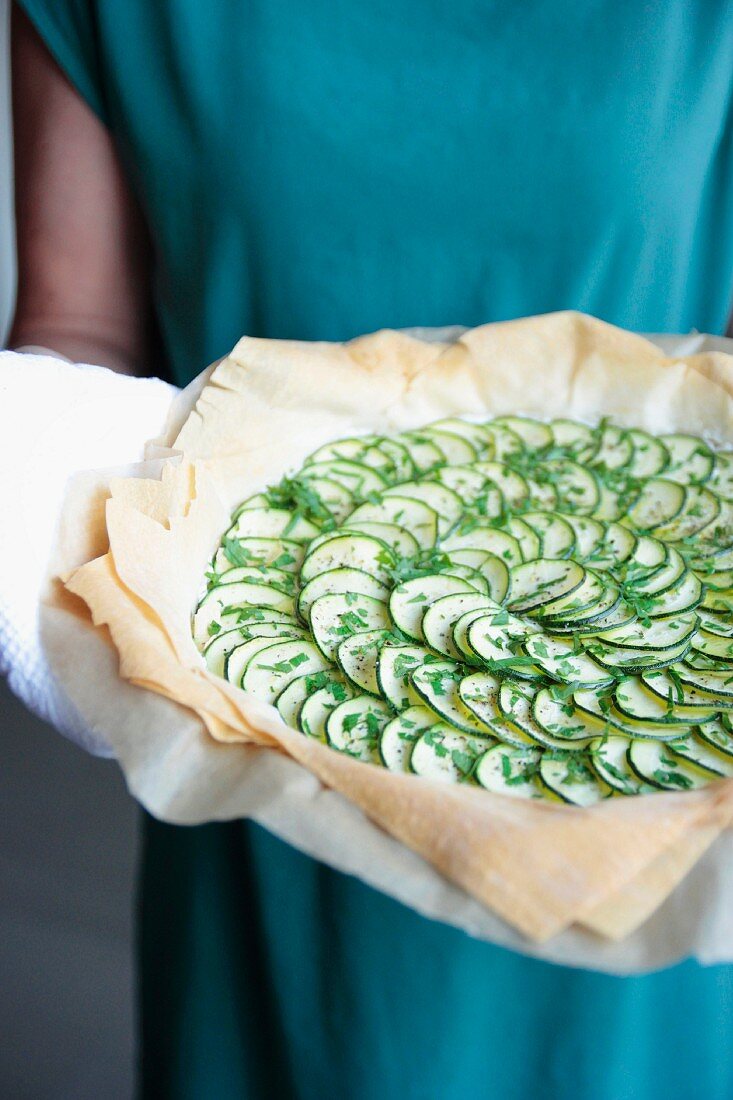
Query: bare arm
83	251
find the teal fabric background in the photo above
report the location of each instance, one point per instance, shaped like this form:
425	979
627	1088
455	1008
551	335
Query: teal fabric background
320	170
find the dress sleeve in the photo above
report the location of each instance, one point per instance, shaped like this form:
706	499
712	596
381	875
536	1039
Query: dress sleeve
69	30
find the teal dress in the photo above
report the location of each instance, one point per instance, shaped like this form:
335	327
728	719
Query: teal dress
322	169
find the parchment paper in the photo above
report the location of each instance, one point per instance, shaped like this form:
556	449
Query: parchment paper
570	869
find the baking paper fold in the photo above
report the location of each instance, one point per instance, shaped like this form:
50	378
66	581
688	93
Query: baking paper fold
543	869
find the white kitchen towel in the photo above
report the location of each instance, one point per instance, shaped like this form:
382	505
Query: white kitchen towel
56	418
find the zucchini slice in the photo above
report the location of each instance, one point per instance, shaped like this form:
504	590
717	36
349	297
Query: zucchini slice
577	487
262	574
635	660
707	561
615	449
530	542
677	693
715	734
409	601
457	449
655	698
222	604
238	658
352	551
504	442
659	634
398	737
609	759
436	684
441	616
543	495
481	537
695	750
719	683
344	580
571	778
649	556
659	502
713	645
715	623
535	435
460	629
291	699
358	479
701	508
536	583
655	763
721	479
613	504
401	541
691	461
467	573
618	547
468	483
650	456
516	705
357	658
259	500
512	771
445	754
480	693
512	486
284	554
618	614
272	523
493	569
684	595
560	660
335	497
243	618
607	609
337	616
580	441
495	639
270	670
476	434
701	661
583	603
395	665
721	581
718	601
601	706
716	540
399	456
589	536
446	504
222	644
363	449
317	707
561	719
354	727
419	519
426	455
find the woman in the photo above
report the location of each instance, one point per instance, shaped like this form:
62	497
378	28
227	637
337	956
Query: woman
188	173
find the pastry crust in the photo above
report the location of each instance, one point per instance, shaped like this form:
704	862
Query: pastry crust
269	404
